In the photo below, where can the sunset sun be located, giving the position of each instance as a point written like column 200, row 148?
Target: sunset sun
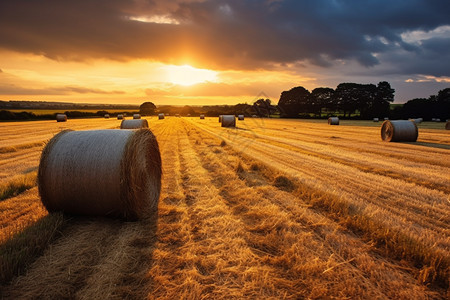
column 187, row 75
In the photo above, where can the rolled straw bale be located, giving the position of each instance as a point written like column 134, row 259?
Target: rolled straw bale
column 61, row 118
column 134, row 124
column 447, row 125
column 437, row 120
column 220, row 118
column 136, row 116
column 120, row 117
column 160, row 116
column 228, row 121
column 254, row 116
column 106, row 116
column 333, row 121
column 399, row 131
column 114, row 173
column 417, row 121
column 386, row 118
column 376, row 119
column 240, row 117
column 202, row 117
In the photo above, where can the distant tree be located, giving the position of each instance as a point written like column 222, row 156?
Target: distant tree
column 442, row 104
column 321, row 98
column 381, row 103
column 264, row 108
column 187, row 110
column 293, row 102
column 417, row 108
column 147, row 108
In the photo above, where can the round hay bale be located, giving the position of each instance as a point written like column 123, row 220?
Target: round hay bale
column 417, row 121
column 399, row 131
column 136, row 116
column 240, row 117
column 134, row 124
column 115, row 173
column 106, row 116
column 61, row 118
column 202, row 117
column 228, row 121
column 376, row 119
column 220, row 118
column 160, row 116
column 386, row 118
column 333, row 121
column 437, row 120
column 447, row 125
column 120, row 117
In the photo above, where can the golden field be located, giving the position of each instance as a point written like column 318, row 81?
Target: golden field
column 274, row 209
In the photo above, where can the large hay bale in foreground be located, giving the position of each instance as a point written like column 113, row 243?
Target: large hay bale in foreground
column 134, row 124
column 240, row 117
column 228, row 121
column 113, row 173
column 399, row 131
column 447, row 125
column 160, row 116
column 136, row 116
column 61, row 118
column 333, row 121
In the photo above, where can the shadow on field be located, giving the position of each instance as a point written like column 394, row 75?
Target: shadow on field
column 431, row 145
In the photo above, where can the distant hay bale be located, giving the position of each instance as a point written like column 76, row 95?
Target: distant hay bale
column 254, row 116
column 376, row 119
column 240, row 117
column 386, row 118
column 106, row 116
column 220, row 118
column 136, row 116
column 333, row 121
column 228, row 121
column 61, row 118
column 437, row 120
column 160, row 116
column 134, row 124
column 202, row 117
column 447, row 125
column 120, row 117
column 399, row 131
column 114, row 173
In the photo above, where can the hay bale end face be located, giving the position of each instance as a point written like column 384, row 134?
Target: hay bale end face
column 160, row 116
column 120, row 117
column 228, row 121
column 240, row 117
column 61, row 118
column 134, row 124
column 399, row 131
column 333, row 121
column 220, row 118
column 202, row 117
column 114, row 173
column 136, row 116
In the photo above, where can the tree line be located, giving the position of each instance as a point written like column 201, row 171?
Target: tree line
column 367, row 100
column 362, row 101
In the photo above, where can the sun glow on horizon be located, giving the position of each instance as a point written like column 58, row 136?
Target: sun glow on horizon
column 187, row 75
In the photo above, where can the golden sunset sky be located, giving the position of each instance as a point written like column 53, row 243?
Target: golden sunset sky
column 201, row 52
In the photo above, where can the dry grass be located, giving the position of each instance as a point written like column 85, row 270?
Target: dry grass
column 17, row 185
column 308, row 212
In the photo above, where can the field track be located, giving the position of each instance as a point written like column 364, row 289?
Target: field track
column 274, row 209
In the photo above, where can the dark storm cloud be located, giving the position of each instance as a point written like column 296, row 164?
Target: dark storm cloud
column 222, row 34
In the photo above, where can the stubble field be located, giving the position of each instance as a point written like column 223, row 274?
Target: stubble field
column 274, row 209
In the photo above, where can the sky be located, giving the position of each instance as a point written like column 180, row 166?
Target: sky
column 213, row 52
